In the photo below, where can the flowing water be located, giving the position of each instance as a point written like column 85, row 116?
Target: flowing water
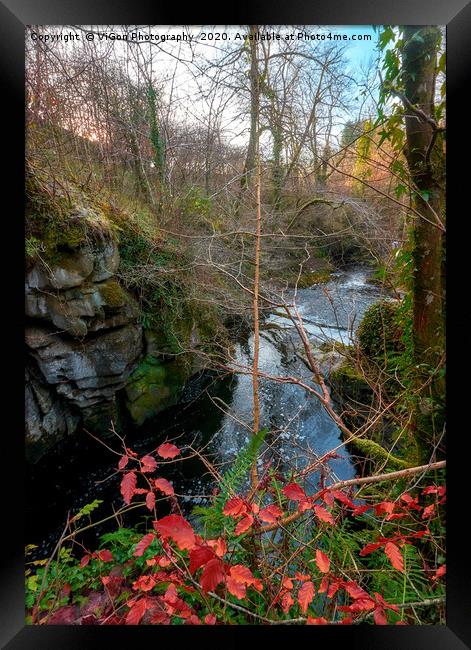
column 217, row 414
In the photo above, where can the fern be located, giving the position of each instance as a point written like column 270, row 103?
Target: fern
column 212, row 517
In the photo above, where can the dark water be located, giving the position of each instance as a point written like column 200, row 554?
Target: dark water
column 217, row 415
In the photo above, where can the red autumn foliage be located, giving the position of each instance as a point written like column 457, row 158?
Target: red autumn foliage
column 148, row 464
column 167, row 450
column 199, row 556
column 294, row 492
column 212, row 575
column 323, row 514
column 306, row 595
column 270, row 514
column 128, row 486
column 322, row 561
column 235, row 507
column 177, row 529
column 164, row 486
column 244, row 524
column 144, row 544
column 395, row 556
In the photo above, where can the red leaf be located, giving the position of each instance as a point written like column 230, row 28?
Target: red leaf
column 323, row 514
column 164, row 486
column 397, row 515
column 287, row 583
column 235, row 507
column 324, row 585
column 128, row 486
column 355, row 591
column 395, row 556
column 361, row 605
column 431, row 489
column 428, row 511
column 294, row 492
column 270, row 514
column 301, row 576
column 137, row 611
column 160, row 618
column 386, row 507
column 305, row 504
column 145, row 542
column 328, row 498
column 236, row 588
column 210, row 619
column 218, row 545
column 178, row 529
column 287, row 602
column 316, row 621
column 63, row 616
column 333, row 588
column 171, row 595
column 150, row 500
column 359, row 510
column 123, row 461
column 105, row 556
column 84, row 561
column 212, row 574
column 369, row 548
column 242, row 574
column 439, row 572
column 200, row 556
column 322, row 561
column 243, row 525
column 144, row 583
column 149, row 464
column 167, row 450
column 305, row 595
column 193, row 620
column 380, row 616
column 340, row 496
column 380, row 600
column 406, row 497
column 257, row 584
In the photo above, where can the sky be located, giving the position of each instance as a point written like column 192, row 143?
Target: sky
column 170, row 58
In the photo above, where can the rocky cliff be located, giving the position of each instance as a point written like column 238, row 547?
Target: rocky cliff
column 108, row 329
column 83, row 341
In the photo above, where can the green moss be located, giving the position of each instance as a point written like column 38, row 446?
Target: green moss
column 378, row 454
column 60, row 218
column 112, row 293
column 310, row 278
column 380, row 331
column 154, row 386
column 350, row 384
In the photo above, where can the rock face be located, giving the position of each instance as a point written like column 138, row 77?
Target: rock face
column 83, row 341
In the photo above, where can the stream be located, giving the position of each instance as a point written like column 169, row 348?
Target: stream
column 216, row 414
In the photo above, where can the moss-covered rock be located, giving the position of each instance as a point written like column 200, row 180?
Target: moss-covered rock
column 154, row 386
column 380, row 331
column 349, row 386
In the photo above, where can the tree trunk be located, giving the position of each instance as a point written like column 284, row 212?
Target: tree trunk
column 425, row 161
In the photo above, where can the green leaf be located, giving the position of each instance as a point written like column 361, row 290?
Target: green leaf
column 87, row 509
column 386, row 36
column 400, row 190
